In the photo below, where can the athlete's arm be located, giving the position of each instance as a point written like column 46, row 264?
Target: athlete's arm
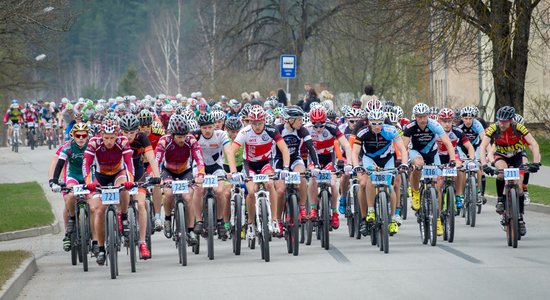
column 284, row 150
column 534, row 146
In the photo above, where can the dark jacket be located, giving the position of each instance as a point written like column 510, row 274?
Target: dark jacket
column 307, row 104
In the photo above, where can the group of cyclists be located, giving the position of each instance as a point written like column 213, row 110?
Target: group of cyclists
column 125, row 140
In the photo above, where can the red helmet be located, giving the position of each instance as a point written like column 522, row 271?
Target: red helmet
column 446, row 113
column 256, row 113
column 356, row 103
column 318, row 115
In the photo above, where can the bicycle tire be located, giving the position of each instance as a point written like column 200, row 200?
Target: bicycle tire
column 473, row 201
column 181, row 233
column 384, row 224
column 74, row 249
column 211, row 224
column 132, row 241
column 325, row 220
column 514, row 216
column 84, row 236
column 111, row 246
column 295, row 225
column 450, row 215
column 148, row 229
column 197, row 248
column 31, row 140
column 421, row 217
column 404, row 196
column 349, row 215
column 373, row 229
column 265, row 229
column 433, row 215
column 237, row 229
column 357, row 217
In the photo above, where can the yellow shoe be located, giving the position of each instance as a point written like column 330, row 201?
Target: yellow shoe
column 242, row 234
column 415, row 200
column 370, row 217
column 439, row 227
column 393, row 227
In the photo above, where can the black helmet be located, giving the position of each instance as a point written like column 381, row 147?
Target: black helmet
column 205, row 119
column 294, row 111
column 145, row 117
column 331, row 114
column 233, row 123
column 506, row 113
column 178, row 125
column 129, row 122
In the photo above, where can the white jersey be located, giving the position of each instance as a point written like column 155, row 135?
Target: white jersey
column 212, row 148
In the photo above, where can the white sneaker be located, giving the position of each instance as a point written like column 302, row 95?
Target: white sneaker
column 158, row 225
column 251, row 232
column 526, row 196
column 274, row 228
column 398, row 220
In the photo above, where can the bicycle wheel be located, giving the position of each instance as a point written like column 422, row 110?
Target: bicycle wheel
column 513, row 216
column 83, row 235
column 373, row 227
column 181, row 233
column 132, row 241
column 433, row 215
column 294, row 225
column 421, row 216
column 324, row 225
column 384, row 223
column 211, row 224
column 404, row 196
column 264, row 229
column 237, row 229
column 148, row 229
column 357, row 217
column 31, row 139
column 111, row 248
column 349, row 214
column 449, row 214
column 472, row 194
column 74, row 249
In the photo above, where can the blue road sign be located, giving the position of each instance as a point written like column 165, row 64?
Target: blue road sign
column 288, row 66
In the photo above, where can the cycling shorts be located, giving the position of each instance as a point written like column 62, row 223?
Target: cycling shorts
column 430, row 158
column 257, row 167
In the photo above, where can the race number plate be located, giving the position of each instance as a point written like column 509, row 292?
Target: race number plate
column 379, row 178
column 111, row 196
column 430, row 172
column 292, row 178
column 16, row 126
column 30, row 124
column 48, row 125
column 260, row 178
column 79, row 190
column 324, row 177
column 180, row 187
column 511, row 174
column 472, row 167
column 449, row 172
column 210, row 181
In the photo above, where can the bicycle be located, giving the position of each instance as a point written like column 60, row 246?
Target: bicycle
column 428, row 213
column 448, row 209
column 470, row 194
column 15, row 137
column 353, row 211
column 291, row 219
column 209, row 211
column 324, row 180
column 379, row 231
column 48, row 132
column 238, row 216
column 179, row 223
column 403, row 195
column 262, row 219
column 131, row 241
column 31, row 135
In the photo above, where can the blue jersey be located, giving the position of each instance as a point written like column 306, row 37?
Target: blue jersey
column 473, row 132
column 423, row 140
column 377, row 145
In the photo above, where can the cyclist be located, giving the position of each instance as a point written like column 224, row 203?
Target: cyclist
column 13, row 116
column 374, row 148
column 47, row 114
column 219, row 119
column 176, row 153
column 510, row 139
column 422, row 134
column 30, row 117
column 67, row 117
column 352, row 116
column 141, row 148
column 324, row 133
column 257, row 139
column 213, row 143
column 71, row 156
column 294, row 134
column 112, row 157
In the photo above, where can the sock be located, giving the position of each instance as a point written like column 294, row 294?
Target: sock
column 500, row 187
column 521, row 203
column 397, row 211
column 168, row 218
column 526, row 179
column 190, row 229
column 370, row 209
column 124, row 216
column 157, row 216
column 334, row 209
column 101, row 248
column 313, row 206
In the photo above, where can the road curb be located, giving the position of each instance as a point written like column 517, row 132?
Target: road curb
column 19, row 279
column 534, row 207
column 53, row 228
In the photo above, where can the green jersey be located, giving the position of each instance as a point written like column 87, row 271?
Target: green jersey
column 238, row 156
column 75, row 157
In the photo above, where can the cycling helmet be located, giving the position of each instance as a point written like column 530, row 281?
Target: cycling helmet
column 52, row 104
column 188, row 115
column 267, row 105
column 277, row 111
column 273, row 100
column 134, row 109
column 95, row 129
column 145, row 117
column 306, row 119
column 120, row 108
column 398, row 111
column 373, row 104
column 246, row 109
column 89, row 103
column 389, row 103
column 64, row 100
column 387, row 108
column 80, row 126
column 69, row 107
column 269, row 119
column 331, row 114
column 168, row 108
column 421, row 109
column 129, row 122
column 519, row 119
column 216, row 107
column 434, row 110
column 318, row 115
column 14, row 101
column 294, row 111
column 356, row 103
column 352, row 113
column 193, row 125
column 506, row 113
column 161, row 96
column 233, row 103
column 446, row 114
column 256, row 113
column 178, row 125
column 468, row 111
column 98, row 117
column 109, row 126
column 344, row 109
column 132, row 98
column 205, row 119
column 392, row 117
column 180, row 110
column 376, row 114
column 361, row 113
column 14, row 105
column 99, row 108
column 233, row 123
column 218, row 115
column 77, row 114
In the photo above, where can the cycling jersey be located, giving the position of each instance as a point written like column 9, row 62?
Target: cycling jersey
column 324, row 141
column 176, row 159
column 47, row 114
column 257, row 147
column 404, row 122
column 509, row 142
column 238, row 156
column 473, row 132
column 140, row 145
column 74, row 156
column 30, row 115
column 212, row 148
column 377, row 145
column 108, row 161
column 457, row 137
column 423, row 140
column 13, row 115
column 293, row 139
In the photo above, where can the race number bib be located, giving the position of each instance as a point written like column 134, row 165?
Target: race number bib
column 111, row 196
column 79, row 190
column 379, row 178
column 180, row 187
column 449, row 172
column 260, row 178
column 30, row 124
column 430, row 172
column 511, row 174
column 292, row 178
column 324, row 177
column 48, row 125
column 210, row 181
column 16, row 126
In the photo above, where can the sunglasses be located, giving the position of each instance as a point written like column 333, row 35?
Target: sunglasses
column 319, row 125
column 257, row 123
column 80, row 136
column 130, row 132
column 504, row 122
column 246, row 120
column 376, row 123
column 352, row 121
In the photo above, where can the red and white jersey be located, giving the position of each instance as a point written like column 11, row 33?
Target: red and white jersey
column 30, row 115
column 108, row 161
column 177, row 159
column 257, row 147
column 324, row 141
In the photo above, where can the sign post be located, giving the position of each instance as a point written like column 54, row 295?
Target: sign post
column 288, row 69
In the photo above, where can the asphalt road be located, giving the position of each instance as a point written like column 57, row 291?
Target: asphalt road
column 477, row 265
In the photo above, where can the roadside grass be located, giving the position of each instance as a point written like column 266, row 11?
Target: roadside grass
column 22, row 206
column 537, row 194
column 9, row 262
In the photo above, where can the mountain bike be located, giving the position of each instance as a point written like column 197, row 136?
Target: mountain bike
column 448, row 209
column 15, row 137
column 470, row 193
column 238, row 216
column 209, row 211
column 291, row 219
column 353, row 211
column 379, row 231
column 428, row 213
column 262, row 219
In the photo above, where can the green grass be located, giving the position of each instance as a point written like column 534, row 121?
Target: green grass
column 544, row 147
column 537, row 194
column 9, row 262
column 23, row 205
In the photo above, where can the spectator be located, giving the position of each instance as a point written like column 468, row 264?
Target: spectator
column 327, row 99
column 281, row 96
column 369, row 94
column 312, row 98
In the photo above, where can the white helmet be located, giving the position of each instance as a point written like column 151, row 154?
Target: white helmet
column 167, row 108
column 64, row 100
column 179, row 96
column 421, row 109
column 376, row 114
